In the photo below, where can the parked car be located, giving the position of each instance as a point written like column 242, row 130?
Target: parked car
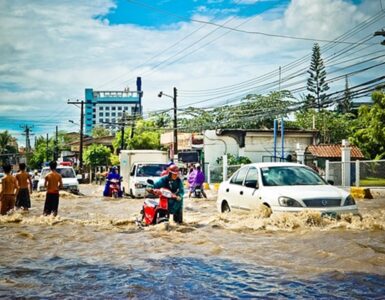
column 283, row 187
column 70, row 181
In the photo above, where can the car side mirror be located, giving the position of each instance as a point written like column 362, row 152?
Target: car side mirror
column 331, row 182
column 251, row 184
column 150, row 181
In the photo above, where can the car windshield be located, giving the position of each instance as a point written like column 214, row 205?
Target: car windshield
column 150, row 170
column 64, row 172
column 290, row 175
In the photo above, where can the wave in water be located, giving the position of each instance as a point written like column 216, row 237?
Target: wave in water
column 176, row 278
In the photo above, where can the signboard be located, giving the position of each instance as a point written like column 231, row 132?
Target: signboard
column 188, row 157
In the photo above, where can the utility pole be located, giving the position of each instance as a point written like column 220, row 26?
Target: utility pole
column 46, row 149
column 175, row 124
column 122, row 131
column 81, row 130
column 27, row 133
column 174, row 98
column 55, row 155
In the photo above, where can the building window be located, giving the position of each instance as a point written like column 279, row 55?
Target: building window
column 113, row 108
column 107, row 120
column 93, row 122
column 113, row 114
column 126, row 108
column 107, row 108
column 101, row 107
column 113, row 120
column 119, row 108
column 100, row 114
column 107, row 114
column 100, row 120
column 119, row 114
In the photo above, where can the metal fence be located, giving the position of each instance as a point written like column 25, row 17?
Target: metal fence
column 215, row 173
column 367, row 173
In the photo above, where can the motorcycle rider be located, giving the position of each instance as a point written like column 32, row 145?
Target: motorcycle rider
column 113, row 174
column 172, row 182
column 197, row 180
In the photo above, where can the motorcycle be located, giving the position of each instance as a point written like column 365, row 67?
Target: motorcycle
column 112, row 188
column 198, row 191
column 155, row 211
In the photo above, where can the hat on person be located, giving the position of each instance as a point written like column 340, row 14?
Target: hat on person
column 173, row 169
column 197, row 165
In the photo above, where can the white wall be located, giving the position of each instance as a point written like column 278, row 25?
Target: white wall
column 257, row 145
column 215, row 146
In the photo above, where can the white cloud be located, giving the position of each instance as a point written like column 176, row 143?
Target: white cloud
column 53, row 50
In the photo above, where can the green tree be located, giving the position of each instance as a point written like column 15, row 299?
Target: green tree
column 162, row 120
column 345, row 106
column 255, row 111
column 316, row 83
column 97, row 155
column 42, row 153
column 333, row 127
column 145, row 136
column 6, row 147
column 234, row 160
column 369, row 133
column 99, row 131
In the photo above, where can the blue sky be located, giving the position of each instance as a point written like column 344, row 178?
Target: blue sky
column 51, row 50
column 127, row 12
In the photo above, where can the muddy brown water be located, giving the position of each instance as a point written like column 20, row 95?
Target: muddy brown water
column 94, row 249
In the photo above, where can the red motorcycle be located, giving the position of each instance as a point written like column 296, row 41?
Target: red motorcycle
column 156, row 211
column 114, row 188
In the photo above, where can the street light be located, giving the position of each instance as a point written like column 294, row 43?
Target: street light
column 175, row 119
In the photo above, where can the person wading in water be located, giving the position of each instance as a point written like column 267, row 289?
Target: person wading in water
column 53, row 183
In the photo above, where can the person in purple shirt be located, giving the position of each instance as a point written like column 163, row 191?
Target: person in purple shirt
column 196, row 179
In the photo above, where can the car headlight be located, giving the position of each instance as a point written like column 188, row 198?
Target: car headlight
column 139, row 185
column 289, row 202
column 349, row 201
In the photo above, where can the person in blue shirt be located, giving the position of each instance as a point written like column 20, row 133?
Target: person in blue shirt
column 172, row 182
column 113, row 174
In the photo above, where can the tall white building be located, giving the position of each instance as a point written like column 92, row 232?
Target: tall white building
column 106, row 108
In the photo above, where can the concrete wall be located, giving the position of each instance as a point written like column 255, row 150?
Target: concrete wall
column 257, row 145
column 216, row 146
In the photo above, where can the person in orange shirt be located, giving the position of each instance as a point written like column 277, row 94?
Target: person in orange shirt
column 53, row 183
column 25, row 187
column 8, row 192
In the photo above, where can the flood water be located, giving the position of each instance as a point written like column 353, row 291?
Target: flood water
column 94, row 250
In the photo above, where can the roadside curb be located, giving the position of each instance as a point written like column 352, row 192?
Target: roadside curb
column 361, row 193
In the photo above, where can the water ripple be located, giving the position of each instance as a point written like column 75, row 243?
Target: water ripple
column 175, row 278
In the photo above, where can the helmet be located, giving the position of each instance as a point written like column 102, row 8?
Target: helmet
column 173, row 169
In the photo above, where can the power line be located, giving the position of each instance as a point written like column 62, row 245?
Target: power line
column 235, row 29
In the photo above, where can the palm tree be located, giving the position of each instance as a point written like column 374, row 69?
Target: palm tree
column 6, row 146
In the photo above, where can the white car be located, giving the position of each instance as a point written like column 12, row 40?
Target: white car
column 70, row 181
column 283, row 187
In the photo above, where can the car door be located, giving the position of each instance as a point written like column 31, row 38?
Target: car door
column 234, row 190
column 250, row 190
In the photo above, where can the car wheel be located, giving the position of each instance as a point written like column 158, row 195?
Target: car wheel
column 225, row 207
